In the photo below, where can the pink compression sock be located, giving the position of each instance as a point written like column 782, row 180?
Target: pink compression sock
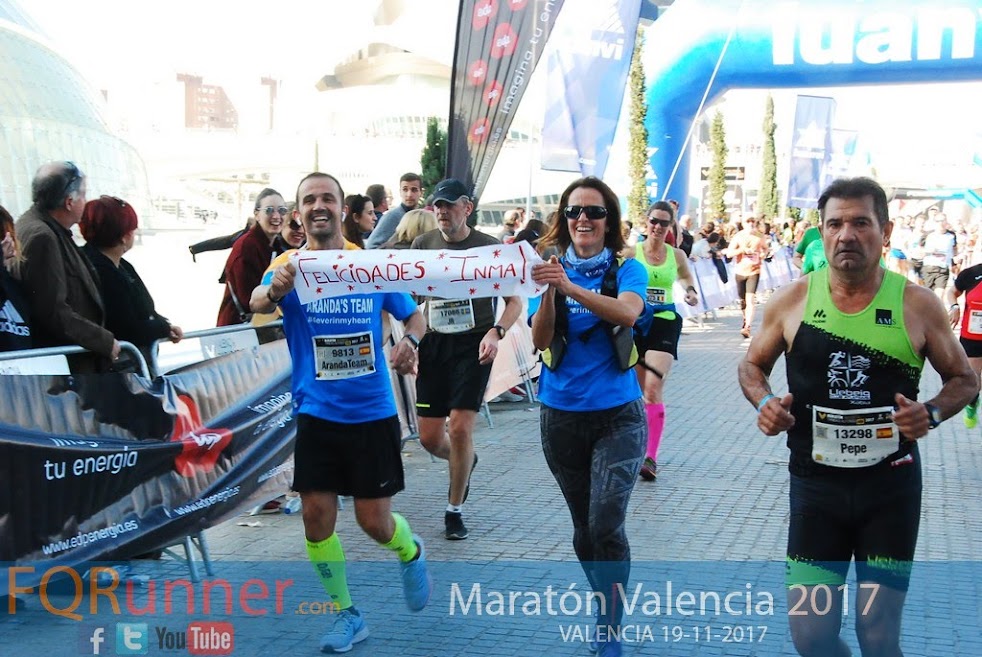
column 656, row 424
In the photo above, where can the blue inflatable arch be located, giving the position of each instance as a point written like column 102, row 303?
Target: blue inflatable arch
column 809, row 43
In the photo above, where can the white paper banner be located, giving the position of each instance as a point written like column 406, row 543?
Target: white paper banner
column 485, row 271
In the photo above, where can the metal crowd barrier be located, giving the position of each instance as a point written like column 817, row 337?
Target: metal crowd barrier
column 225, row 340
column 45, row 365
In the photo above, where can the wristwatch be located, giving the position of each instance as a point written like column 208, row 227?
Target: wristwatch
column 933, row 416
column 501, row 331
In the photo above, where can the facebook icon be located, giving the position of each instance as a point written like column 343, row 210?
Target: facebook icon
column 97, row 639
column 132, row 638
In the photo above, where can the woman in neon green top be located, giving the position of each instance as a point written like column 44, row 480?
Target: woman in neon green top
column 657, row 331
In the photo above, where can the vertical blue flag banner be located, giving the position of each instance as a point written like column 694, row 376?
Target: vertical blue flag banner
column 588, row 64
column 811, row 150
column 498, row 45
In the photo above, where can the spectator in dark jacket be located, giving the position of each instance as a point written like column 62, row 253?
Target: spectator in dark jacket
column 534, row 229
column 109, row 225
column 58, row 280
column 15, row 327
column 250, row 257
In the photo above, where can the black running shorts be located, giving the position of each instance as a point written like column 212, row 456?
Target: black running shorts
column 450, row 376
column 973, row 348
column 747, row 284
column 362, row 460
column 872, row 514
column 663, row 335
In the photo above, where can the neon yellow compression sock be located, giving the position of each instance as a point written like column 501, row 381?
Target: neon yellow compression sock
column 402, row 542
column 328, row 559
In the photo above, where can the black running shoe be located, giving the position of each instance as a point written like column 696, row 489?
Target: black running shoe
column 455, row 529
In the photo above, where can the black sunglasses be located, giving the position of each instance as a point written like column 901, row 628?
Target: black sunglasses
column 295, row 225
column 664, row 223
column 74, row 175
column 593, row 212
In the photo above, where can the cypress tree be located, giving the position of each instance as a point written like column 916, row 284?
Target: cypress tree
column 717, row 172
column 767, row 200
column 637, row 198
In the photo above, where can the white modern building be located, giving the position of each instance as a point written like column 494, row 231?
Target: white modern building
column 49, row 112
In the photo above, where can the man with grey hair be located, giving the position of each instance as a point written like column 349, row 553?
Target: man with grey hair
column 60, row 283
column 456, row 354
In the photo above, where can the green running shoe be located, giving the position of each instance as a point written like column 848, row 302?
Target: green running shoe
column 971, row 416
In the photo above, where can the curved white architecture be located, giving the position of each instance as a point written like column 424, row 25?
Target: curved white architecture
column 48, row 112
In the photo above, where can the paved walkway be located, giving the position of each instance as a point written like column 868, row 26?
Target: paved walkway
column 714, row 523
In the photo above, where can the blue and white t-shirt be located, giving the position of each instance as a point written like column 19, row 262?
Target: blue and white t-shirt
column 589, row 379
column 339, row 369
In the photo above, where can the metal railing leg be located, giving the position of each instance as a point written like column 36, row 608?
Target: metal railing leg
column 486, row 412
column 199, row 540
column 189, row 557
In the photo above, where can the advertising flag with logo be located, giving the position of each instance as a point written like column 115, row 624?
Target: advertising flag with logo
column 588, row 64
column 498, row 45
column 811, row 150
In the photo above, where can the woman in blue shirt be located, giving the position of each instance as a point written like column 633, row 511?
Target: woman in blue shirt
column 592, row 418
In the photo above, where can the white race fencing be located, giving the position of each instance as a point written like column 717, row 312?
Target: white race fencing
column 714, row 293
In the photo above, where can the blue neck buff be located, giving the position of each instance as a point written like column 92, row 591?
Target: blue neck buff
column 589, row 267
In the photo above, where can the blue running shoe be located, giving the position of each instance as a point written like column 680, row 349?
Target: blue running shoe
column 416, row 582
column 349, row 628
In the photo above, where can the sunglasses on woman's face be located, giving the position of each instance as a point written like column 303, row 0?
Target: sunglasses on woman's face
column 592, row 212
column 664, row 223
column 282, row 210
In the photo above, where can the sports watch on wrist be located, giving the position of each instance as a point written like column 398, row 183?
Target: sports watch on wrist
column 933, row 416
column 500, row 330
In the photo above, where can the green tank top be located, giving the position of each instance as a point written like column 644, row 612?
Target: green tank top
column 661, row 280
column 848, row 362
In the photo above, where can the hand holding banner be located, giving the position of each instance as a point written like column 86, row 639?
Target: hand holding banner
column 485, row 271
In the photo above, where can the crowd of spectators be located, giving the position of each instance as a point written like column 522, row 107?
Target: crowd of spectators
column 59, row 294
column 55, row 293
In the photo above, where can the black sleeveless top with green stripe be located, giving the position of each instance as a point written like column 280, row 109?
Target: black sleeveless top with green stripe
column 848, row 362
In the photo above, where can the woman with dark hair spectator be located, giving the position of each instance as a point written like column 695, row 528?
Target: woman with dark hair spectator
column 534, row 229
column 15, row 327
column 359, row 219
column 109, row 225
column 292, row 236
column 592, row 418
column 250, row 257
column 413, row 224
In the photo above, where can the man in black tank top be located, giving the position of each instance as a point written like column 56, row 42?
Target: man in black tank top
column 855, row 338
